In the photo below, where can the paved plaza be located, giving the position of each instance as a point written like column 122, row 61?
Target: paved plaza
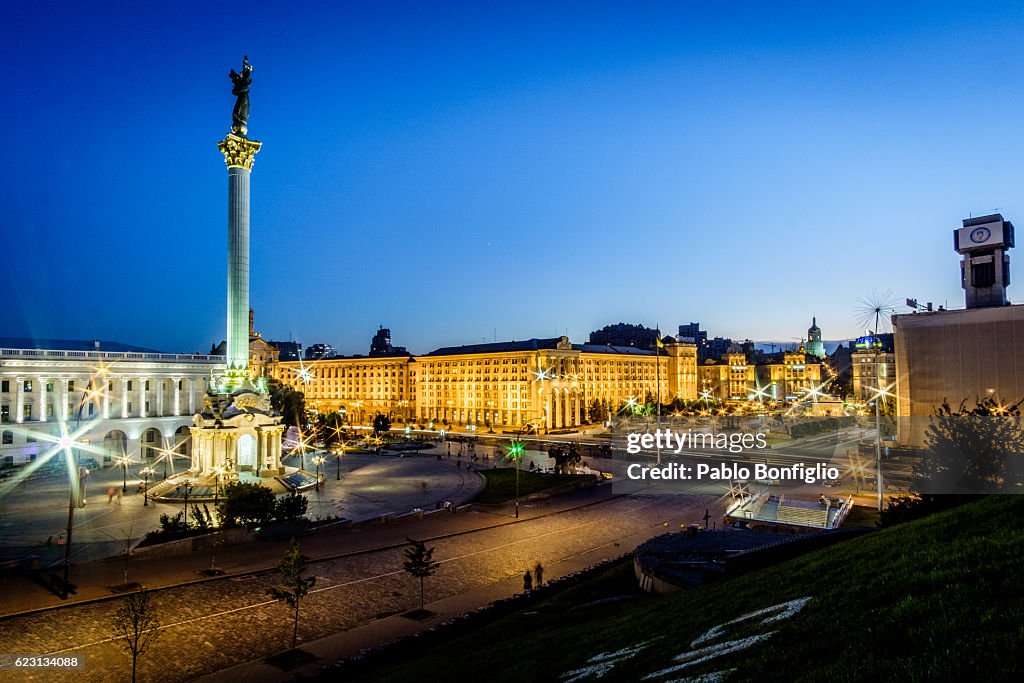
column 34, row 512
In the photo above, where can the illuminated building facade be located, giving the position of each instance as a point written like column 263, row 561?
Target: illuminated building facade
column 133, row 401
column 794, row 376
column 873, row 366
column 549, row 383
column 732, row 378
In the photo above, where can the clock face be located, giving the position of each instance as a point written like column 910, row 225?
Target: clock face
column 979, row 235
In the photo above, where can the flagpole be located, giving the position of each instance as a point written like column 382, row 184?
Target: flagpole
column 657, row 371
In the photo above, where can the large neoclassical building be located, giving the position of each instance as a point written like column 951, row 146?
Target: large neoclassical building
column 127, row 400
column 549, row 383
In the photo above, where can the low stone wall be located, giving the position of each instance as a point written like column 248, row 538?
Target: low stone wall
column 194, row 543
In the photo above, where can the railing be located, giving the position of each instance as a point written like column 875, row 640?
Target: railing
column 108, row 355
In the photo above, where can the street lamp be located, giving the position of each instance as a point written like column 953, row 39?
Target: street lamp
column 217, row 471
column 123, row 462
column 188, row 489
column 145, row 472
column 318, row 460
column 879, row 393
column 515, row 454
column 340, row 454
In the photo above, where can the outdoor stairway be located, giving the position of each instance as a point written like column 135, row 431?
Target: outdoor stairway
column 817, row 517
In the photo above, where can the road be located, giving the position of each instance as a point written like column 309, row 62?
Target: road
column 214, row 625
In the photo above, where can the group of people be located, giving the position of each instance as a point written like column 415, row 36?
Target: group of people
column 534, row 580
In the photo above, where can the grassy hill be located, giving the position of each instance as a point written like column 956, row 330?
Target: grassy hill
column 939, row 599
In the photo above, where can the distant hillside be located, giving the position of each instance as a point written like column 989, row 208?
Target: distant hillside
column 939, row 599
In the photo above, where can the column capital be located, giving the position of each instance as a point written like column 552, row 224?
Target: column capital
column 239, row 151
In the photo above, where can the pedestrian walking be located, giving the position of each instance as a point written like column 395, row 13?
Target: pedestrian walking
column 118, row 496
column 527, row 581
column 110, row 495
column 538, row 575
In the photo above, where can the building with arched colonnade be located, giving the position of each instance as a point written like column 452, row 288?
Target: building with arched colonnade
column 127, row 400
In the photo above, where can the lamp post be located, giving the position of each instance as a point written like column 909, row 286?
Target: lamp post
column 188, row 489
column 318, row 460
column 77, row 496
column 341, row 452
column 145, row 472
column 217, row 471
column 515, row 454
column 123, row 462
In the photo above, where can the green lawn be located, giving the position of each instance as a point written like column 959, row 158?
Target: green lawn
column 501, row 484
column 939, row 599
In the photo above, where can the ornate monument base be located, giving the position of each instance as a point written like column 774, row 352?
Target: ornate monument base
column 237, row 432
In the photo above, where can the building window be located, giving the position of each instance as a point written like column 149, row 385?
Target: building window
column 5, row 386
column 129, row 407
column 5, row 414
column 8, row 438
column 28, row 411
column 129, row 385
column 147, row 385
column 49, row 386
column 27, row 386
column 30, row 438
column 71, row 386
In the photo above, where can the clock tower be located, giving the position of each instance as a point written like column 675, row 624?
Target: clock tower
column 985, row 269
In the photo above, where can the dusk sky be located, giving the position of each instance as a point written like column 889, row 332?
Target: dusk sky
column 455, row 171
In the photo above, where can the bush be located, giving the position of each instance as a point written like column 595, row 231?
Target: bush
column 246, row 504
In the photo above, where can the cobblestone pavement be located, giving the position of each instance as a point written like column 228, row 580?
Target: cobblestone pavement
column 211, row 626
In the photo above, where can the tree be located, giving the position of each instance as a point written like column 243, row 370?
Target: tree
column 136, row 626
column 294, row 586
column 381, row 424
column 419, row 562
column 291, row 507
column 597, row 413
column 972, row 450
column 329, row 428
column 246, row 504
column 289, row 402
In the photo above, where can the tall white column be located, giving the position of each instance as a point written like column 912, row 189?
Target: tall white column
column 177, row 395
column 19, row 398
column 62, row 400
column 239, row 154
column 105, row 387
column 159, row 396
column 40, row 398
column 124, row 397
column 141, row 412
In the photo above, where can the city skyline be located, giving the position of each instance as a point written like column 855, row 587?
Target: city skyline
column 464, row 175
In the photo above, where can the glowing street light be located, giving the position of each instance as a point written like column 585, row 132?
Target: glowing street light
column 878, row 393
column 217, row 472
column 123, row 462
column 145, row 472
column 318, row 461
column 515, row 454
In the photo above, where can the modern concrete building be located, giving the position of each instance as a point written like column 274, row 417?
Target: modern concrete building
column 130, row 401
column 949, row 356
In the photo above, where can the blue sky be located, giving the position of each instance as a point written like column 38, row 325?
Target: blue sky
column 533, row 169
